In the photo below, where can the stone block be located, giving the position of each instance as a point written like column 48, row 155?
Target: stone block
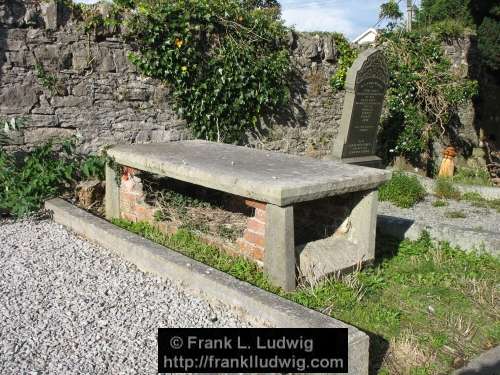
column 42, row 135
column 279, row 255
column 18, row 98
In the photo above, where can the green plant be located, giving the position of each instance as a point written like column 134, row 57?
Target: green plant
column 489, row 42
column 347, row 55
column 455, row 215
column 227, row 64
column 472, row 176
column 46, row 79
column 423, row 96
column 42, row 174
column 93, row 167
column 402, row 190
column 45, row 172
column 444, row 188
column 478, row 201
column 439, row 203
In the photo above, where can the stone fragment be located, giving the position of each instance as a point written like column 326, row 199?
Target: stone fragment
column 89, row 193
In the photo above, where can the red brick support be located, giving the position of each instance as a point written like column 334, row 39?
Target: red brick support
column 252, row 245
column 133, row 205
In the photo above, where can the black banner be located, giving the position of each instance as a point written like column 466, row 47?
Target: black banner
column 261, row 350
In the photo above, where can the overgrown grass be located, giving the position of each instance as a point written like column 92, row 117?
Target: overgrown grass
column 445, row 189
column 187, row 243
column 473, row 176
column 402, row 190
column 425, row 305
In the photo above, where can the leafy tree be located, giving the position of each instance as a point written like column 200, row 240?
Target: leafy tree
column 489, row 43
column 432, row 11
column 391, row 11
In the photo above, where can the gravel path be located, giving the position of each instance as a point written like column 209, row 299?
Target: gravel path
column 67, row 306
column 477, row 218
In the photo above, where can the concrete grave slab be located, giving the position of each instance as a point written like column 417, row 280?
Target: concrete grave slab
column 275, row 181
column 270, row 177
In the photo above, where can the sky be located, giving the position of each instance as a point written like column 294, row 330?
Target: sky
column 350, row 17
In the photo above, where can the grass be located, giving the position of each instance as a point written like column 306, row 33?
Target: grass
column 473, row 176
column 402, row 190
column 445, row 189
column 439, row 203
column 426, row 306
column 455, row 215
column 478, row 201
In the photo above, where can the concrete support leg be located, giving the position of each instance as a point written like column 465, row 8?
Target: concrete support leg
column 279, row 255
column 112, row 197
column 364, row 225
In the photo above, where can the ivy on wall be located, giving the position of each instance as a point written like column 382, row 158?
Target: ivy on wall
column 347, row 56
column 227, row 63
column 423, row 98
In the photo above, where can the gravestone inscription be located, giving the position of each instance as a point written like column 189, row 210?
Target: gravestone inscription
column 366, row 84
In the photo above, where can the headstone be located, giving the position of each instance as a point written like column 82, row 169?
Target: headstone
column 366, row 84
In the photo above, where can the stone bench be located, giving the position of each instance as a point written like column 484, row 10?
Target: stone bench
column 273, row 183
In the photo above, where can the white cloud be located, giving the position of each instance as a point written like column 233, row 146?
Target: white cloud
column 318, row 18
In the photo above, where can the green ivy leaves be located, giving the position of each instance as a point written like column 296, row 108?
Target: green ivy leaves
column 227, row 65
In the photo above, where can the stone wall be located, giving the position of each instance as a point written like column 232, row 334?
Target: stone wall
column 100, row 97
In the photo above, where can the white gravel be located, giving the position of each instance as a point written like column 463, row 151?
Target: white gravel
column 67, row 306
column 477, row 218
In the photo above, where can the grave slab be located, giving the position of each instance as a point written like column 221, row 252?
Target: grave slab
column 270, row 177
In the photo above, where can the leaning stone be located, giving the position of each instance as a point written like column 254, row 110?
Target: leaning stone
column 50, row 14
column 330, row 50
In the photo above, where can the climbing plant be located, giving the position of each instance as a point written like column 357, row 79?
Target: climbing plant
column 423, row 96
column 347, row 55
column 227, row 63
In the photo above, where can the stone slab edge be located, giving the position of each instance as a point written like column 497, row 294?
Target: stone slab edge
column 465, row 238
column 487, row 363
column 366, row 180
column 212, row 284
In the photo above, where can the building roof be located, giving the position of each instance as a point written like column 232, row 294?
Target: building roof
column 371, row 30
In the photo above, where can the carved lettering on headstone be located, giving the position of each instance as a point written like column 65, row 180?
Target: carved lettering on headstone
column 366, row 85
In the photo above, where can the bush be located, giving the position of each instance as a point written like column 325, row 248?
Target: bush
column 227, row 63
column 44, row 173
column 402, row 190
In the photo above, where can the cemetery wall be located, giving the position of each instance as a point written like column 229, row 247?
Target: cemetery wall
column 99, row 96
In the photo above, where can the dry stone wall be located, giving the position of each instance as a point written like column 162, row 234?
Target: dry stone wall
column 101, row 98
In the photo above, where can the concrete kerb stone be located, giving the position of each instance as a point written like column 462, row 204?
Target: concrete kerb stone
column 464, row 238
column 250, row 301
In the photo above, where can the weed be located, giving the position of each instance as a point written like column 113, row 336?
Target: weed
column 402, row 190
column 45, row 172
column 48, row 80
column 455, row 215
column 439, row 203
column 478, row 201
column 444, row 189
column 473, row 176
